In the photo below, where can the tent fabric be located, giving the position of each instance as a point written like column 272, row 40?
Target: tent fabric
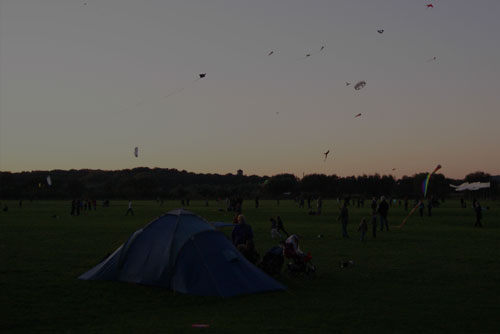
column 183, row 252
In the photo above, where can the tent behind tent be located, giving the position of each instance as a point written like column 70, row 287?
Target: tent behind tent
column 183, row 252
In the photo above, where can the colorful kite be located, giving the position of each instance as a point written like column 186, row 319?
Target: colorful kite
column 425, row 183
column 270, row 53
column 424, row 190
column 360, row 85
column 429, row 5
column 358, row 115
column 381, row 31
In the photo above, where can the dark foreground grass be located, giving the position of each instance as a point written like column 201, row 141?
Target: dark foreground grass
column 436, row 274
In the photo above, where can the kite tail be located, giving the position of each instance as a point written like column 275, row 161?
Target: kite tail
column 409, row 215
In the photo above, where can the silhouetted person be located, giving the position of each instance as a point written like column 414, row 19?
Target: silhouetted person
column 129, row 210
column 363, row 227
column 344, row 219
column 421, row 207
column 479, row 214
column 406, row 204
column 429, row 208
column 281, row 227
column 374, row 221
column 383, row 210
column 256, row 202
column 242, row 232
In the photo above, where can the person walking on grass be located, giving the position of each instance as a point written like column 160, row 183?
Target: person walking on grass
column 129, row 210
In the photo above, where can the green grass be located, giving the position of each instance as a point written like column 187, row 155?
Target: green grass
column 437, row 274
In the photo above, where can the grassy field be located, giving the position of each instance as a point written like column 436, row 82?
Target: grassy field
column 437, row 274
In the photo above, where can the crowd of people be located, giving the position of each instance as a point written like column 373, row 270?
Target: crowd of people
column 288, row 248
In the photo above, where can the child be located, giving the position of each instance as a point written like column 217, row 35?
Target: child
column 275, row 234
column 363, row 227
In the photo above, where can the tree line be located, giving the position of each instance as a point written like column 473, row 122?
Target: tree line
column 153, row 183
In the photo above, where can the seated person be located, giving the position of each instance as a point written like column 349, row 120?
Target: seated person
column 249, row 252
column 292, row 249
column 273, row 260
column 241, row 232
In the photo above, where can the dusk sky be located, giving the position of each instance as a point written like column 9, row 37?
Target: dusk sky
column 84, row 82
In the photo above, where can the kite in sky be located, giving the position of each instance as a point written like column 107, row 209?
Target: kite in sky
column 425, row 184
column 347, row 83
column 471, row 186
column 360, row 85
column 202, row 75
column 393, row 169
column 326, row 155
column 49, row 181
column 429, row 5
column 136, row 152
column 270, row 53
column 432, row 59
column 381, row 31
column 358, row 115
column 424, row 190
column 311, row 54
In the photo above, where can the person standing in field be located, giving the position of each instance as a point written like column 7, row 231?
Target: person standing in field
column 479, row 214
column 319, row 205
column 383, row 210
column 421, row 207
column 374, row 221
column 363, row 227
column 129, row 210
column 281, row 227
column 344, row 219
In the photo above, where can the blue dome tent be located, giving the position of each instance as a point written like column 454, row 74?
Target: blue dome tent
column 183, row 252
